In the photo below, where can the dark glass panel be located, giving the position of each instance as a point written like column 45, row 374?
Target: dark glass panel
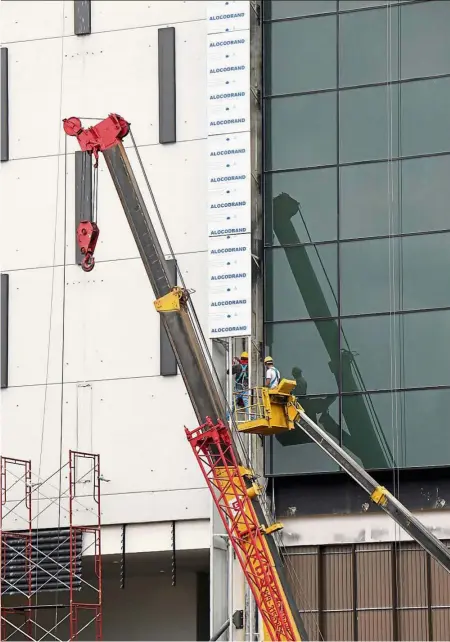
column 396, row 351
column 275, row 9
column 307, row 349
column 369, row 351
column 426, row 348
column 364, row 56
column 425, row 117
column 368, row 430
column 369, row 200
column 369, row 196
column 301, row 131
column 289, row 44
column 425, row 273
column 425, row 42
column 301, row 206
column 294, row 453
column 401, row 425
column 367, row 276
column 301, row 282
column 387, row 275
column 425, row 194
column 368, row 123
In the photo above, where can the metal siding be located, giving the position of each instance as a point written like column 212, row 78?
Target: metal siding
column 4, row 329
column 365, row 592
column 4, row 105
column 168, row 362
column 167, row 85
column 83, row 193
column 82, row 17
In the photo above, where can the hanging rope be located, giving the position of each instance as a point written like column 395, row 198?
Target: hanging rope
column 52, row 292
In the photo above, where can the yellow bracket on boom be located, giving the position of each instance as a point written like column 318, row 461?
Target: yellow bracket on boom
column 171, row 301
column 379, row 496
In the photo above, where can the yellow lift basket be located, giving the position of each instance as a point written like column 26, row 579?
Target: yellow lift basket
column 267, row 412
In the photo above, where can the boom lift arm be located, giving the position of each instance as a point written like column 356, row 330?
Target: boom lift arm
column 235, row 493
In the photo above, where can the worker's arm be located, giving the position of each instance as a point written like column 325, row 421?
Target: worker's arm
column 236, row 369
column 269, row 375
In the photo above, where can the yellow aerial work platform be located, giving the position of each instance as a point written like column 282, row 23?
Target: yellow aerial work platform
column 269, row 412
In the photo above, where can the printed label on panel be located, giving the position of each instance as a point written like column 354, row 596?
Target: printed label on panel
column 229, row 169
column 229, row 150
column 230, row 286
column 227, row 16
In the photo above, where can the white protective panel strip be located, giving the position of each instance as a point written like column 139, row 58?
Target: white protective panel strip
column 229, row 168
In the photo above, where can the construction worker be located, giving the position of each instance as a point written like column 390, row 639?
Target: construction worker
column 240, row 373
column 273, row 376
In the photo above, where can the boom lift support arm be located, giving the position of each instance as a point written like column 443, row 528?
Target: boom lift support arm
column 233, row 487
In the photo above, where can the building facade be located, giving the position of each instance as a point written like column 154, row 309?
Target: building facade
column 356, row 298
column 350, row 164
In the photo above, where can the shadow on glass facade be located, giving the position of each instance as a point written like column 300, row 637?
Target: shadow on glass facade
column 357, row 226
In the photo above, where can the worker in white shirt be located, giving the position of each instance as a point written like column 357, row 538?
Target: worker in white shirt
column 273, row 376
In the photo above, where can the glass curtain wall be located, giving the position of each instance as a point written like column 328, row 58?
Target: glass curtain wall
column 357, row 226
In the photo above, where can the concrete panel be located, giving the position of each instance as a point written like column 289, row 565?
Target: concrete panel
column 30, row 241
column 125, row 432
column 35, row 326
column 127, row 64
column 177, row 175
column 152, row 472
column 34, row 93
column 359, row 529
column 112, row 327
column 127, row 14
column 31, row 20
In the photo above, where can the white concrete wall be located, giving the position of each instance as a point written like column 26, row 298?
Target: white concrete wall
column 129, row 414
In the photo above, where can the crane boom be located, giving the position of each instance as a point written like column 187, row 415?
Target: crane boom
column 235, row 492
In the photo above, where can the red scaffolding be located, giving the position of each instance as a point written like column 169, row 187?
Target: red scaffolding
column 30, row 563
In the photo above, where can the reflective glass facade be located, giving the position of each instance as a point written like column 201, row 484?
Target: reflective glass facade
column 357, row 226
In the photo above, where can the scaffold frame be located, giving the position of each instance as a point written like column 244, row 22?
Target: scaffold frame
column 20, row 492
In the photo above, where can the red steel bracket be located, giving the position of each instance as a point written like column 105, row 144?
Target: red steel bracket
column 87, row 236
column 105, row 134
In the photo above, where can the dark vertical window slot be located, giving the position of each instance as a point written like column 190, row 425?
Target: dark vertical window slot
column 4, row 322
column 167, row 85
column 168, row 363
column 83, row 194
column 82, row 17
column 4, row 105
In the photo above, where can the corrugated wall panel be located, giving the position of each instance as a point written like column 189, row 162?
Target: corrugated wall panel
column 374, row 576
column 411, row 577
column 337, row 569
column 375, row 625
column 413, row 625
column 371, row 592
column 441, row 624
column 338, row 626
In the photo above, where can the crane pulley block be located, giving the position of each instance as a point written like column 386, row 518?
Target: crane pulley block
column 100, row 137
column 87, row 237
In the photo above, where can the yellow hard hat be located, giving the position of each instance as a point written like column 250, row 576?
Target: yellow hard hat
column 244, row 355
column 268, row 360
